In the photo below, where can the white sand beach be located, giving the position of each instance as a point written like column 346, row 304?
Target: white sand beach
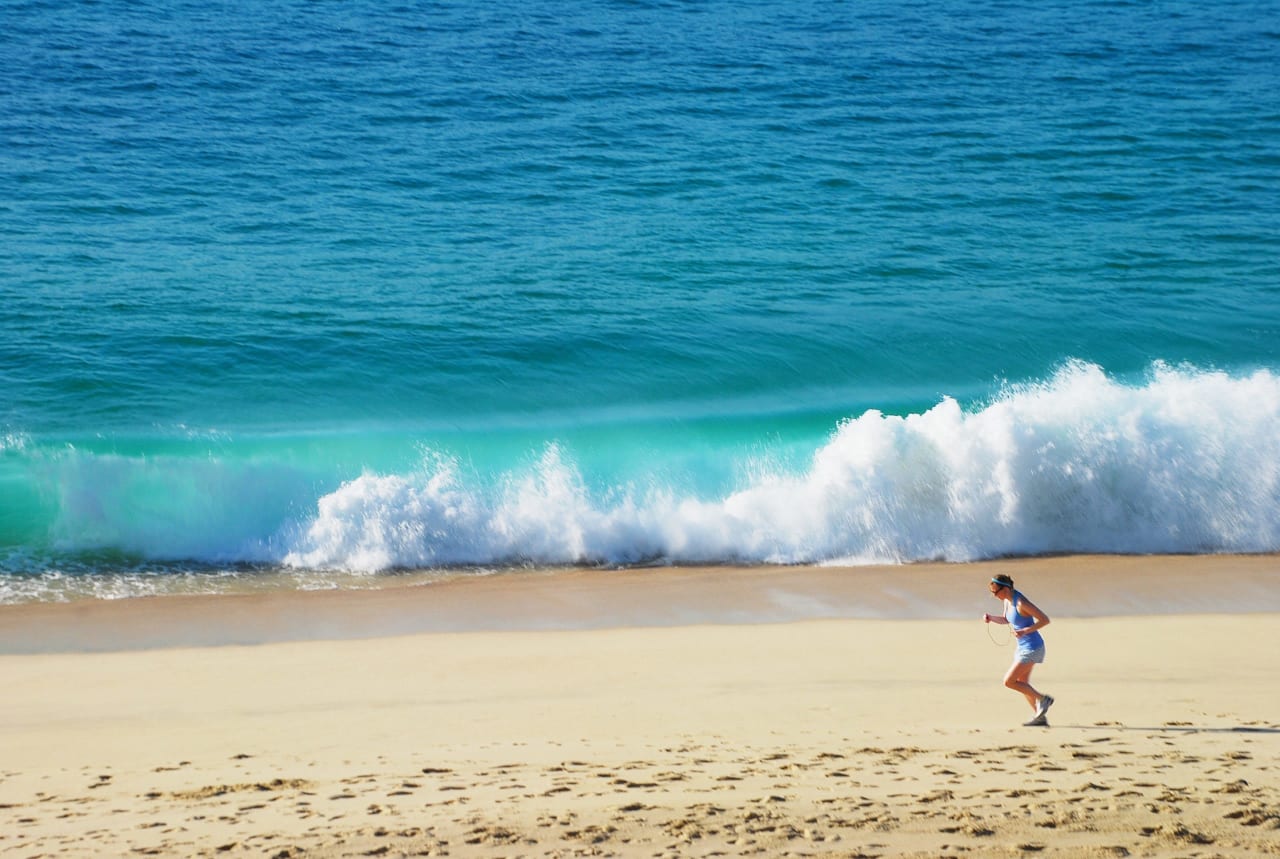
column 563, row 718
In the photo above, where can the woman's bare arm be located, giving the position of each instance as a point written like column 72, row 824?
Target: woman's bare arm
column 1027, row 607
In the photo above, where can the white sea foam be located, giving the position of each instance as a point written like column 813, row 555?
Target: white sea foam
column 1185, row 461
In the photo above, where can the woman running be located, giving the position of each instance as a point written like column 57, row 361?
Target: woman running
column 1027, row 620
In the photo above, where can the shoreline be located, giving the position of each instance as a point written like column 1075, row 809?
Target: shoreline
column 576, row 598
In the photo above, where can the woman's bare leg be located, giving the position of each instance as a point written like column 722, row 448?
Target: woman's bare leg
column 1018, row 679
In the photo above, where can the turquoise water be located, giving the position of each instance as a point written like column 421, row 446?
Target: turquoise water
column 336, row 289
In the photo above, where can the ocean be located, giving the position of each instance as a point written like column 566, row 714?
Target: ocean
column 317, row 294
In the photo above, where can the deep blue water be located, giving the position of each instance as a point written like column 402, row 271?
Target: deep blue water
column 344, row 288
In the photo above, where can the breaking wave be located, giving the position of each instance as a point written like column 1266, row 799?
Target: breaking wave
column 1184, row 461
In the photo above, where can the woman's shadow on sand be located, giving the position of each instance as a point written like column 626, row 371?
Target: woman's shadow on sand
column 1179, row 728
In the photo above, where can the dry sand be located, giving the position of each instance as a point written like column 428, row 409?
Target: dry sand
column 833, row 732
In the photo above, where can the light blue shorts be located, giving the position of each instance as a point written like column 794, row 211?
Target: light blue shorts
column 1035, row 655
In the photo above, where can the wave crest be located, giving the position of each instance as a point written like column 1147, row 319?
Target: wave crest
column 1185, row 462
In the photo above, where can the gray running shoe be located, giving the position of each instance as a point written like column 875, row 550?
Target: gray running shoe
column 1038, row 722
column 1046, row 701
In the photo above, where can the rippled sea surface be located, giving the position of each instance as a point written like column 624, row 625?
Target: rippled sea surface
column 330, row 289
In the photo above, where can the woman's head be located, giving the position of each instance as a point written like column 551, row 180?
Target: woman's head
column 1000, row 583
